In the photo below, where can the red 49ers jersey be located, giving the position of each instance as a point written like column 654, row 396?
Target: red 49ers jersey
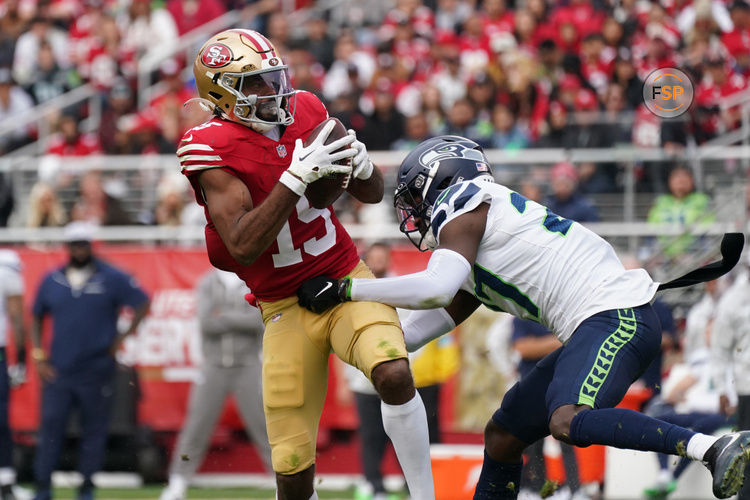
column 311, row 243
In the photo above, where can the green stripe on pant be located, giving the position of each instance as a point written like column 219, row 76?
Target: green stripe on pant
column 606, row 356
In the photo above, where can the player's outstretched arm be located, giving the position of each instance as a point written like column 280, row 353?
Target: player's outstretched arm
column 435, row 287
column 366, row 183
column 421, row 327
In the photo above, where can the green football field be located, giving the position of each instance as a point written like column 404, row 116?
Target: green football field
column 153, row 492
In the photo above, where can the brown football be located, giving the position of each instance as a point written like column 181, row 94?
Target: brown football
column 326, row 190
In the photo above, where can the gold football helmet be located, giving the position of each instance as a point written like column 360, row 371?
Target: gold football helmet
column 240, row 74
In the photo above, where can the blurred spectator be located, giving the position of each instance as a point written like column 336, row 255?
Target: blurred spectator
column 305, row 72
column 558, row 134
column 462, row 120
column 104, row 56
column 11, row 313
column 231, row 340
column 617, row 128
column 416, row 130
column 149, row 32
column 481, row 93
column 566, row 201
column 533, row 342
column 26, row 54
column 45, row 209
column 507, row 133
column 683, row 206
column 386, row 124
column 12, row 25
column 171, row 193
column 351, row 70
column 345, row 108
column 83, row 299
column 718, row 82
column 449, row 79
column 496, row 18
column 699, row 320
column 191, row 14
column 597, row 61
column 451, row 14
column 146, row 134
column 95, row 206
column 737, row 41
column 318, row 41
column 432, row 108
column 50, row 80
column 174, row 94
column 277, row 29
column 626, row 76
column 70, row 141
column 730, row 354
column 14, row 102
column 703, row 11
column 586, row 131
column 420, row 18
column 113, row 139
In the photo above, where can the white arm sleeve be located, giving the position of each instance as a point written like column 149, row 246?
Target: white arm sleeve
column 434, row 287
column 420, row 327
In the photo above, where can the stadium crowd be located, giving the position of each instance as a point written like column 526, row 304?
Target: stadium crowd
column 506, row 74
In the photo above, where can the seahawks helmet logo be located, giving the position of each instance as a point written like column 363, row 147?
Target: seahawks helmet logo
column 450, row 151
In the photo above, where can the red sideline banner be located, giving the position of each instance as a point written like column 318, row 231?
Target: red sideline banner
column 166, row 349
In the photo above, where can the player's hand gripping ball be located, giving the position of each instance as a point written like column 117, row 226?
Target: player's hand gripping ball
column 324, row 191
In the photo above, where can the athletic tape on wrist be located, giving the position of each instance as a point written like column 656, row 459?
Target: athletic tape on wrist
column 297, row 186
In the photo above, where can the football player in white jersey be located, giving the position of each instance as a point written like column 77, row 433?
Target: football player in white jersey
column 494, row 247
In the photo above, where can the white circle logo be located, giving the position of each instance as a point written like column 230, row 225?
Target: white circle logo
column 668, row 92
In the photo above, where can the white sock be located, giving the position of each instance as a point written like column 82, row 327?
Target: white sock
column 699, row 445
column 664, row 477
column 406, row 425
column 7, row 476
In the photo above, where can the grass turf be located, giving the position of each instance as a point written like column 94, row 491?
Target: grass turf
column 153, row 492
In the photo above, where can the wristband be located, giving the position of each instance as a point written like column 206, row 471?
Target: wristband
column 345, row 289
column 296, row 185
column 21, row 355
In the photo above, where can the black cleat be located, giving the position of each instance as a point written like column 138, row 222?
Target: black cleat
column 726, row 459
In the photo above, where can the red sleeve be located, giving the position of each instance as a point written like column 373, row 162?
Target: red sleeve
column 203, row 147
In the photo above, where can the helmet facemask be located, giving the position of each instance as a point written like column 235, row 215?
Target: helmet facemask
column 415, row 218
column 265, row 98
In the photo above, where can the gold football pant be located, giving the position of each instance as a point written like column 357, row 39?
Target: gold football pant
column 296, row 346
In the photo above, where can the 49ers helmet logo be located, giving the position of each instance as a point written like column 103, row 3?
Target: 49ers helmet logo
column 216, row 55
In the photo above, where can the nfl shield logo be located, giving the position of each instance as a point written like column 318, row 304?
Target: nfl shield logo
column 281, row 150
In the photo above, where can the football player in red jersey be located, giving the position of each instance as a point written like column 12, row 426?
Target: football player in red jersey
column 249, row 170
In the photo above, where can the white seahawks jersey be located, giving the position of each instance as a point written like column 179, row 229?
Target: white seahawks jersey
column 536, row 265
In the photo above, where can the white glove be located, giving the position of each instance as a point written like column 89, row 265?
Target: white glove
column 361, row 162
column 310, row 163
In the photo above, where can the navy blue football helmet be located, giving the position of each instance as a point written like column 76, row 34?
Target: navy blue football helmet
column 433, row 166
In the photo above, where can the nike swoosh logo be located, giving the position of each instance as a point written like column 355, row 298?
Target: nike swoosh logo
column 188, row 138
column 328, row 285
